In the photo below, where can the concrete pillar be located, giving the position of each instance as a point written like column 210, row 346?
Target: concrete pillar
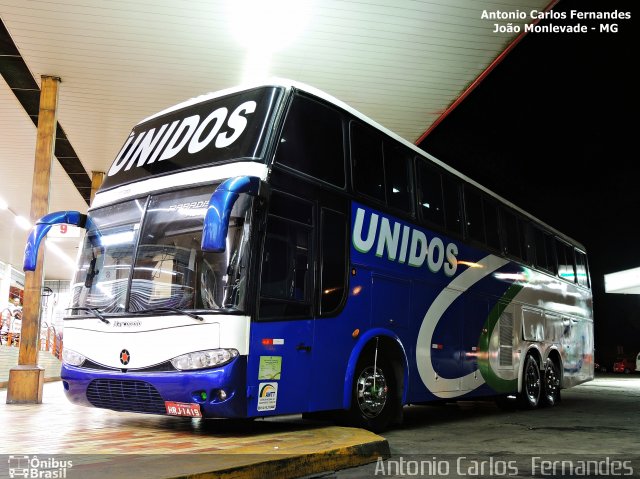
column 97, row 177
column 27, row 379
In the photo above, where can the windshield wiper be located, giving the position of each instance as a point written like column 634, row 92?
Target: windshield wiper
column 94, row 311
column 168, row 308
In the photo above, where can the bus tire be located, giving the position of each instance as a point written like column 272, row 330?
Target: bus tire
column 375, row 400
column 531, row 383
column 551, row 391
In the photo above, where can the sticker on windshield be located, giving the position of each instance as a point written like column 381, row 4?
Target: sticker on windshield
column 267, row 396
column 270, row 367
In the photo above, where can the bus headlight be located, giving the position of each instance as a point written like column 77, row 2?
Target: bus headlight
column 72, row 358
column 204, row 359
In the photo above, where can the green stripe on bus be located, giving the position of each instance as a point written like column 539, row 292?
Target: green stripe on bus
column 491, row 378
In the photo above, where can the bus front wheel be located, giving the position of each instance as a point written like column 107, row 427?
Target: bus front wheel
column 531, row 383
column 375, row 399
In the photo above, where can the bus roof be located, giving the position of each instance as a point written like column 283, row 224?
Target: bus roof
column 292, row 84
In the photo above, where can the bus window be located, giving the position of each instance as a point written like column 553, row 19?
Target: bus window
column 510, row 234
column 312, row 141
column 543, row 257
column 551, row 250
column 171, row 270
column 398, row 176
column 430, row 197
column 564, row 254
column 366, row 157
column 452, row 205
column 527, row 241
column 104, row 269
column 581, row 269
column 334, row 261
column 491, row 226
column 287, row 265
column 473, row 215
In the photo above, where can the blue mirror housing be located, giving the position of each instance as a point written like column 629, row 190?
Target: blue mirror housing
column 216, row 221
column 42, row 227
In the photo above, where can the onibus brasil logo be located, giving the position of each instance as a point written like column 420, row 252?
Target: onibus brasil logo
column 36, row 467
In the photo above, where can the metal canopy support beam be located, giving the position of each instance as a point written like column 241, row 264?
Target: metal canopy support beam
column 15, row 72
column 27, row 379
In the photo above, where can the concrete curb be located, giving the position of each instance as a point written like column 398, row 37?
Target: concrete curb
column 239, row 466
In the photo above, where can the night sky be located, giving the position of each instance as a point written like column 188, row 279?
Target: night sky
column 552, row 129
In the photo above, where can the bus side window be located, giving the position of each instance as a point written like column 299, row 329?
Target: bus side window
column 581, row 269
column 551, row 253
column 312, row 141
column 397, row 167
column 543, row 256
column 287, row 265
column 528, row 242
column 566, row 265
column 333, row 262
column 473, row 215
column 430, row 197
column 492, row 228
column 510, row 236
column 452, row 205
column 367, row 162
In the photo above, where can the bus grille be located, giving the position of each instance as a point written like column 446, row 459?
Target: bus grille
column 125, row 395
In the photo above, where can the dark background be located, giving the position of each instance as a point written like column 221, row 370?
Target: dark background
column 553, row 128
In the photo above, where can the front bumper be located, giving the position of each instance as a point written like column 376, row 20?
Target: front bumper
column 147, row 392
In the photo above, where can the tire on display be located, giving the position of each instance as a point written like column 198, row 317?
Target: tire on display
column 551, row 385
column 531, row 383
column 375, row 399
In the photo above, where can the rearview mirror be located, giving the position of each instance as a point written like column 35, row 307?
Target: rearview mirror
column 216, row 221
column 42, row 227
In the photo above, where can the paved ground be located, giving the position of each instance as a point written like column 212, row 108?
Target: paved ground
column 597, row 422
column 594, row 421
column 108, row 444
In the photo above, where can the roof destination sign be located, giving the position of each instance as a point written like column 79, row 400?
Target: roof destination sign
column 199, row 134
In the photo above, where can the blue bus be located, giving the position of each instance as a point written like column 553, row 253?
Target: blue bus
column 269, row 250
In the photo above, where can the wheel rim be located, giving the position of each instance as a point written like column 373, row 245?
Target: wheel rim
column 532, row 383
column 552, row 382
column 371, row 391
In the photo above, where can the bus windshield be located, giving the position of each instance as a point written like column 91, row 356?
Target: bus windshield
column 133, row 262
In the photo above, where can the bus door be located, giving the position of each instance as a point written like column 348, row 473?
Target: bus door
column 281, row 349
column 476, row 310
column 445, row 349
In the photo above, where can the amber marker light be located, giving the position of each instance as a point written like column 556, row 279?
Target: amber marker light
column 470, row 264
column 356, row 333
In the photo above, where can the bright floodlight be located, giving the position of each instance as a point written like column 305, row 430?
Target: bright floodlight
column 263, row 27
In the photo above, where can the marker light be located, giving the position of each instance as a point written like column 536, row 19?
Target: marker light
column 204, row 359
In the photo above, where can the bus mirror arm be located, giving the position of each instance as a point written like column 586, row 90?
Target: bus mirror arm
column 42, row 227
column 216, row 220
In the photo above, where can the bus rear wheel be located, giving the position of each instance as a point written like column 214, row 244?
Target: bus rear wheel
column 531, row 383
column 551, row 394
column 375, row 399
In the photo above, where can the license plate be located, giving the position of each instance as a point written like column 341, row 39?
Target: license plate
column 182, row 409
